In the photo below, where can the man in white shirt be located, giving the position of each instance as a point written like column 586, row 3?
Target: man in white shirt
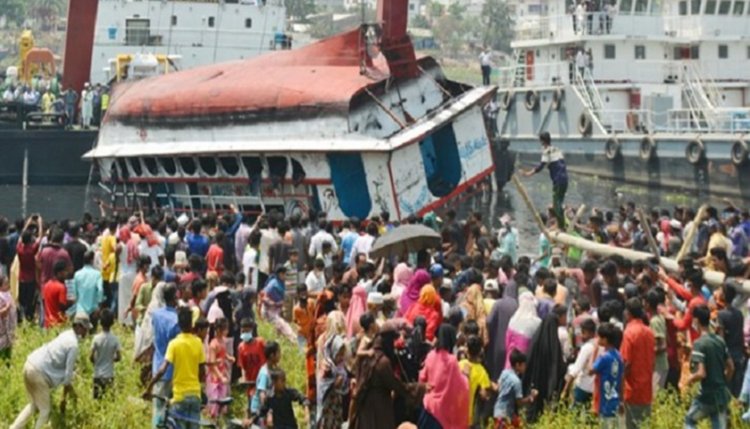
column 363, row 243
column 316, row 279
column 581, row 62
column 49, row 366
column 485, row 60
column 317, row 240
column 250, row 261
column 578, row 371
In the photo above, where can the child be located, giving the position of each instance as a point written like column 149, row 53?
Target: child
column 510, row 393
column 280, row 403
column 250, row 355
column 609, row 367
column 219, row 362
column 578, row 377
column 292, row 282
column 105, row 351
column 369, row 329
column 479, row 380
column 8, row 320
column 272, row 352
column 304, row 316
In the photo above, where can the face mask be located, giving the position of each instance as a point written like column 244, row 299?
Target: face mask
column 246, row 336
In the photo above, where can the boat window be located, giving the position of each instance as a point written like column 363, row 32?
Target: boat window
column 230, row 165
column 724, row 7
column 695, row 7
column 609, row 52
column 188, row 165
column 137, row 31
column 277, row 167
column 211, row 21
column 710, row 7
column 683, row 8
column 739, row 8
column 350, row 191
column 151, row 166
column 254, row 169
column 723, row 52
column 208, row 165
column 123, row 166
column 641, row 6
column 168, row 165
column 626, row 6
column 640, row 52
column 298, row 172
column 442, row 163
column 248, row 23
column 173, row 21
column 135, row 165
column 695, row 52
column 655, row 6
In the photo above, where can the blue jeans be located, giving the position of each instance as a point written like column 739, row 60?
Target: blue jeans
column 188, row 409
column 699, row 411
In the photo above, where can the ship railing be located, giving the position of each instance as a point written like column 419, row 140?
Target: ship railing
column 724, row 121
column 182, row 36
column 591, row 23
column 534, row 75
column 627, row 120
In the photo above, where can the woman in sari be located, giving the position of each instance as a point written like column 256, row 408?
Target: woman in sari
column 332, row 384
column 411, row 294
column 357, row 307
column 144, row 339
column 522, row 326
column 497, row 328
column 429, row 307
column 446, row 404
column 401, row 276
column 473, row 305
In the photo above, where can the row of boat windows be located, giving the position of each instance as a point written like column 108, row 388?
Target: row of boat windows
column 277, row 166
column 680, row 52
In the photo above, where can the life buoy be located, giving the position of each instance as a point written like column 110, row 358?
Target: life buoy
column 532, row 100
column 739, row 152
column 631, row 121
column 557, row 98
column 695, row 152
column 508, row 99
column 584, row 125
column 648, row 148
column 612, row 149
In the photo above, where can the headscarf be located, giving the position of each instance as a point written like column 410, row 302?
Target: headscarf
column 145, row 231
column 420, row 278
column 546, row 367
column 474, row 305
column 497, row 328
column 666, row 230
column 401, row 276
column 429, row 307
column 245, row 310
column 335, row 325
column 357, row 308
column 131, row 243
column 525, row 321
column 329, row 371
column 145, row 339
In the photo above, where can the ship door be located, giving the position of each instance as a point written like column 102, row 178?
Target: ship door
column 349, row 184
column 529, row 65
column 442, row 163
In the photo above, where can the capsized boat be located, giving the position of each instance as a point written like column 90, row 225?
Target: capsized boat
column 352, row 125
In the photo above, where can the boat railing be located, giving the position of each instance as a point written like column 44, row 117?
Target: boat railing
column 120, row 35
column 544, row 74
column 673, row 121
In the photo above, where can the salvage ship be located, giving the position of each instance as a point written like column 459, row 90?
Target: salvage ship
column 352, row 125
column 658, row 95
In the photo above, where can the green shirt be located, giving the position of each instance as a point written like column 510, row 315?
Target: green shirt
column 659, row 328
column 711, row 351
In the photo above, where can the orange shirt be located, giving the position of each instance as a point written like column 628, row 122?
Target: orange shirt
column 639, row 355
column 215, row 259
column 55, row 300
column 305, row 318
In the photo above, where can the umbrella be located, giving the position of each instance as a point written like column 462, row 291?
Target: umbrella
column 404, row 239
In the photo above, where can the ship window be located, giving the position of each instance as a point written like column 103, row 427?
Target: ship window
column 442, row 163
column 695, row 7
column 640, row 52
column 208, row 165
column 739, row 8
column 298, row 172
column 151, row 166
column 135, row 164
column 211, row 21
column 188, row 165
column 254, row 169
column 723, row 52
column 695, row 52
column 641, row 6
column 277, row 167
column 609, row 52
column 137, row 32
column 248, row 23
column 710, row 7
column 173, row 21
column 350, row 192
column 683, row 8
column 168, row 165
column 724, row 7
column 626, row 6
column 123, row 166
column 230, row 165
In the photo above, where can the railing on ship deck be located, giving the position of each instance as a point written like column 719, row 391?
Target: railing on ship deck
column 673, row 121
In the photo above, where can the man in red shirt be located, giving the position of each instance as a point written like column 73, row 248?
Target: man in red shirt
column 638, row 352
column 215, row 255
column 55, row 296
column 51, row 253
column 26, row 250
column 250, row 354
column 693, row 296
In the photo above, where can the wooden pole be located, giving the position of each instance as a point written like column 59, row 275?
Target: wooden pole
column 649, row 235
column 530, row 205
column 693, row 231
column 571, row 225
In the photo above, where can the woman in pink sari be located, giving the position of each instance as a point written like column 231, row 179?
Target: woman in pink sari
column 522, row 326
column 357, row 308
column 401, row 276
column 446, row 404
column 411, row 294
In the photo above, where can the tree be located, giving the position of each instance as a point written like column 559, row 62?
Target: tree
column 497, row 25
column 14, row 10
column 299, row 9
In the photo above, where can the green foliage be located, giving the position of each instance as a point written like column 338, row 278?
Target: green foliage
column 299, row 9
column 14, row 10
column 497, row 25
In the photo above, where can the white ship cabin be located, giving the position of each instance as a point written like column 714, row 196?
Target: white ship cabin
column 674, row 65
column 197, row 32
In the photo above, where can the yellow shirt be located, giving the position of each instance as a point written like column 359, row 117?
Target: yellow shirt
column 185, row 353
column 478, row 379
column 109, row 246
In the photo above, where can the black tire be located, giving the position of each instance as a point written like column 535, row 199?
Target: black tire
column 612, row 149
column 532, row 100
column 648, row 148
column 695, row 152
column 584, row 125
column 739, row 152
column 557, row 98
column 508, row 100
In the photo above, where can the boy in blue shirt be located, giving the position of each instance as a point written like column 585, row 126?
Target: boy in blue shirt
column 510, row 393
column 610, row 368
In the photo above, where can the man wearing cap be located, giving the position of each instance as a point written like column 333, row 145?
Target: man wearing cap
column 553, row 159
column 49, row 366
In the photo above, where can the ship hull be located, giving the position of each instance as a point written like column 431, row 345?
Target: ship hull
column 53, row 157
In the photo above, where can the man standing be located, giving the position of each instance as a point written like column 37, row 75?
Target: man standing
column 87, row 106
column 88, row 287
column 485, row 60
column 712, row 367
column 638, row 352
column 553, row 159
column 48, row 367
column 165, row 325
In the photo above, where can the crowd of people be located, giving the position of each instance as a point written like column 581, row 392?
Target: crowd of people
column 467, row 335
